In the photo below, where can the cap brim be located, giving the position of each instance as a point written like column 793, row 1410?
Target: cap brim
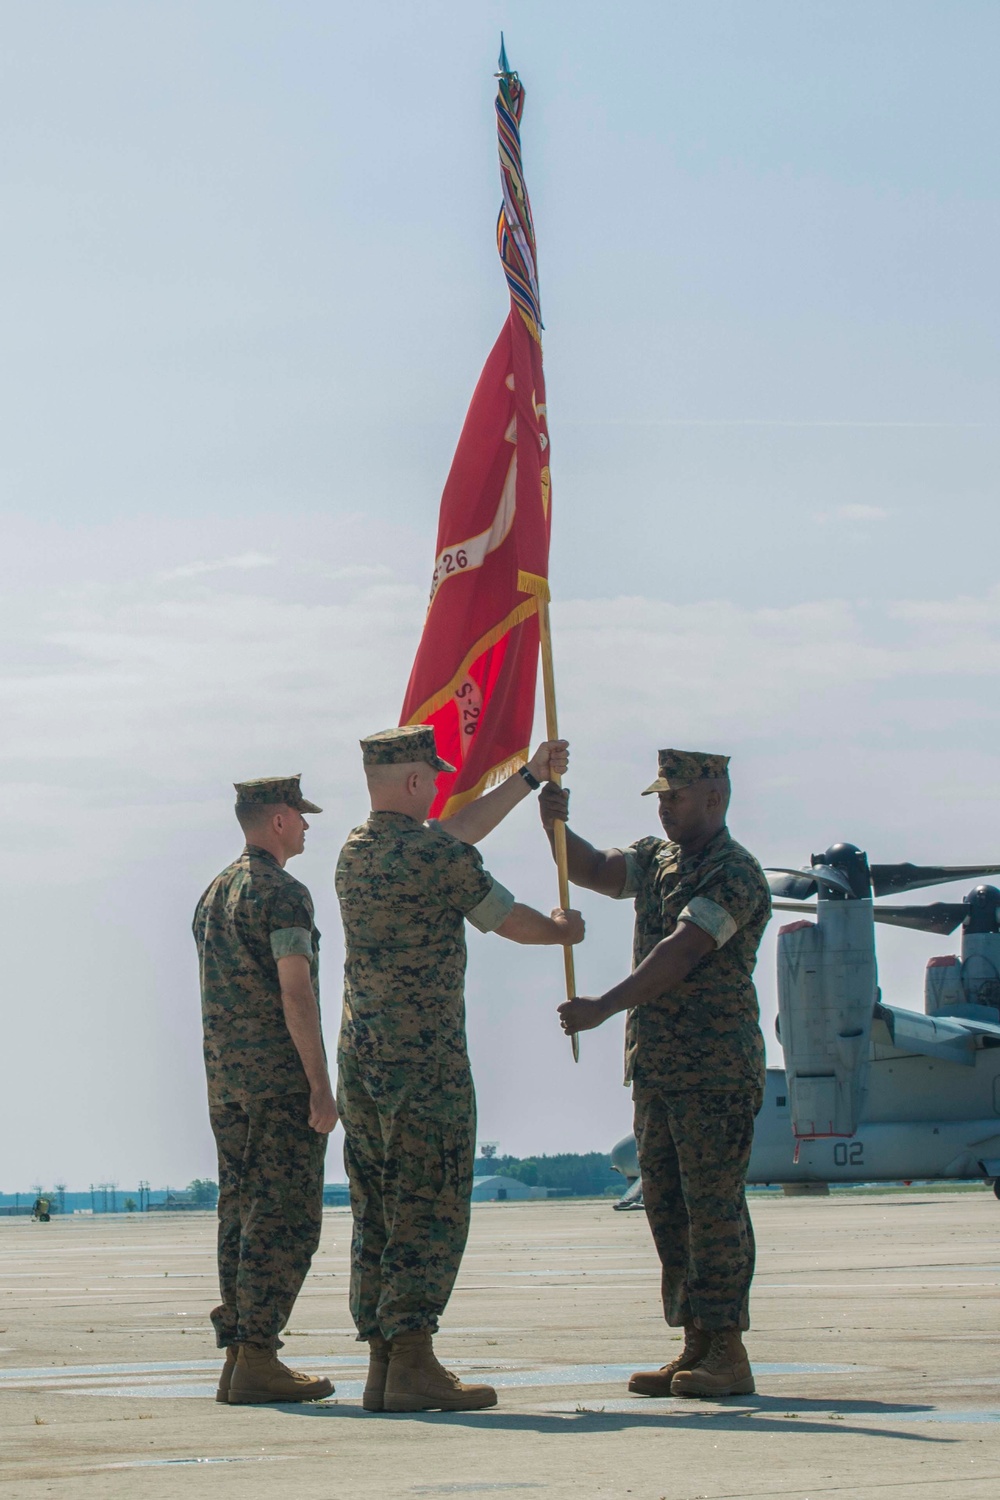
column 657, row 786
column 442, row 765
column 305, row 806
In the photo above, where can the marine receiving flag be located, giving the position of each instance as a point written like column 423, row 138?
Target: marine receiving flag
column 474, row 674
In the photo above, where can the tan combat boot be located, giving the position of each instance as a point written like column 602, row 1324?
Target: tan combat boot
column 378, row 1368
column 657, row 1382
column 724, row 1371
column 260, row 1377
column 225, row 1379
column 416, row 1382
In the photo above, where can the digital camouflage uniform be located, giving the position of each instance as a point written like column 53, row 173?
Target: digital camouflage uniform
column 405, row 1089
column 695, row 1058
column 270, row 1160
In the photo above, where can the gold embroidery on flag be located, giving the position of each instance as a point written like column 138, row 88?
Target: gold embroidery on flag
column 541, row 414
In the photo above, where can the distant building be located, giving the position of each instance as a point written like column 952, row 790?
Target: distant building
column 502, row 1190
column 179, row 1202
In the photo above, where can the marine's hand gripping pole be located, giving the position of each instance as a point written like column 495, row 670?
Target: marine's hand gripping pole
column 559, row 832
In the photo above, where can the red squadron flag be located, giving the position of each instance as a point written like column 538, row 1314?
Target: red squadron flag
column 474, row 674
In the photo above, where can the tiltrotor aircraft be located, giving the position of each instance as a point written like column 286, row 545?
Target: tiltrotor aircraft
column 870, row 1092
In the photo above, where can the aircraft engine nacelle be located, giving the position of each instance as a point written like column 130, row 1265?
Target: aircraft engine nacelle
column 969, row 986
column 827, row 989
column 943, row 989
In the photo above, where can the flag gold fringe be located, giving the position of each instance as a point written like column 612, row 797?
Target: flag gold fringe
column 491, row 779
column 531, row 326
column 522, row 612
column 533, row 583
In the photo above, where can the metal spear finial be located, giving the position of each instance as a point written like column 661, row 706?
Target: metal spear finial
column 505, row 70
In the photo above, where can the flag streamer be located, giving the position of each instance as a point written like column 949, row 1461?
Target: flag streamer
column 515, row 226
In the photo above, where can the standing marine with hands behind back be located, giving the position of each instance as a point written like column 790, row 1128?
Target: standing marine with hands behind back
column 406, row 889
column 270, row 1101
column 694, row 1055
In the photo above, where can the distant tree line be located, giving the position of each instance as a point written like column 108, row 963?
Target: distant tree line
column 586, row 1175
column 204, row 1192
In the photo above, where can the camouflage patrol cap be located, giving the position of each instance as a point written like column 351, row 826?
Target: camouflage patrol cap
column 684, row 767
column 400, row 747
column 271, row 789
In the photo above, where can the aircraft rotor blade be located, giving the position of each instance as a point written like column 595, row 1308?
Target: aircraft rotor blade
column 795, row 883
column 834, row 880
column 889, row 880
column 801, row 883
column 939, row 916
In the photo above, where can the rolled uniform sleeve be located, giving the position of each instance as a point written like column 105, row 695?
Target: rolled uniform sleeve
column 632, row 876
column 638, row 857
column 462, row 883
column 286, row 941
column 726, row 901
column 493, row 910
column 290, row 925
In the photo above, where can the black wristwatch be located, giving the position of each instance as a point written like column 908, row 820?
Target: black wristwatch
column 532, row 781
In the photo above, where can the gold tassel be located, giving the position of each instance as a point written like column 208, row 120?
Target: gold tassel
column 532, row 583
column 491, row 779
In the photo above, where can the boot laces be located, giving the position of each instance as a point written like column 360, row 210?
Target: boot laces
column 448, row 1375
column 718, row 1349
column 293, row 1374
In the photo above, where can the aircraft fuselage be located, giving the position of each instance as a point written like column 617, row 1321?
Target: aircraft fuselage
column 923, row 1119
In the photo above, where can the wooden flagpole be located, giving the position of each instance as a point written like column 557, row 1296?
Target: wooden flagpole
column 552, row 733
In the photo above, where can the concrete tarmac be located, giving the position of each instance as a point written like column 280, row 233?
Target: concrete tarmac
column 875, row 1345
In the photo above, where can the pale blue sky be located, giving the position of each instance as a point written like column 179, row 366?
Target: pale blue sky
column 248, row 281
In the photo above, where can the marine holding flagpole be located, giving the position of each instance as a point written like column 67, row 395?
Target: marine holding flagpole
column 694, row 1054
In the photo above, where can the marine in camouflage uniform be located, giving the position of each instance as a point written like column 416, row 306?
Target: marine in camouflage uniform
column 270, row 1157
column 694, row 1053
column 405, row 1093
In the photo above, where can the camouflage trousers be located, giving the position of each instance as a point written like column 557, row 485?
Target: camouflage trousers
column 410, row 1174
column 694, row 1150
column 270, row 1213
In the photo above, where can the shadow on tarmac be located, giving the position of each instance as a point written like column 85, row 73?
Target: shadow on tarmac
column 770, row 1414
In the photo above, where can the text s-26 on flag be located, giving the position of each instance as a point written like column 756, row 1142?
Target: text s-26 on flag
column 474, row 674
